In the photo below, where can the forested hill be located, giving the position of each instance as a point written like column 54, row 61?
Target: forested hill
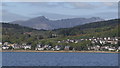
column 113, row 22
column 15, row 33
column 16, row 27
column 90, row 28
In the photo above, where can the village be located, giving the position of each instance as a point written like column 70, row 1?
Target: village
column 98, row 44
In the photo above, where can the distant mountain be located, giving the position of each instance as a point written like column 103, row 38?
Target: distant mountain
column 44, row 23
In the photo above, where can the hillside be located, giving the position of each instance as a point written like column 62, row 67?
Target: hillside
column 15, row 33
column 90, row 28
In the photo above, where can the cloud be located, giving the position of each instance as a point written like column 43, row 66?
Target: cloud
column 112, row 5
column 43, row 4
column 82, row 5
column 76, row 5
column 57, row 10
column 108, row 15
column 94, row 5
column 8, row 16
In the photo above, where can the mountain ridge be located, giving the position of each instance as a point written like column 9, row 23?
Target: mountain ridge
column 42, row 22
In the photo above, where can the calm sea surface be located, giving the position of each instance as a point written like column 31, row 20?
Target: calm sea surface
column 59, row 59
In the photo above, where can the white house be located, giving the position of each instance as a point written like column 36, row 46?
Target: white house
column 27, row 47
column 6, row 43
column 16, row 46
column 57, row 47
column 119, row 48
column 111, row 49
column 4, row 47
column 40, row 49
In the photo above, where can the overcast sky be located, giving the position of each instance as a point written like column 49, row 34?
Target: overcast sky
column 12, row 11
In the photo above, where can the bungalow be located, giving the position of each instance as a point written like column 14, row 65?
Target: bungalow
column 67, row 48
column 59, row 41
column 53, row 49
column 46, row 46
column 90, row 39
column 76, row 41
column 27, row 47
column 109, row 38
column 118, row 49
column 16, row 46
column 49, row 47
column 39, row 47
column 6, row 43
column 115, row 39
column 94, row 48
column 112, row 42
column 57, row 47
column 105, row 38
column 72, row 41
column 102, row 42
column 111, row 49
column 104, row 48
column 11, row 45
column 4, row 47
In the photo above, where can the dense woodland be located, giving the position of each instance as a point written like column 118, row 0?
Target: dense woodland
column 14, row 33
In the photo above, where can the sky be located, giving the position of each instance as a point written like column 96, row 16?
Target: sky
column 12, row 11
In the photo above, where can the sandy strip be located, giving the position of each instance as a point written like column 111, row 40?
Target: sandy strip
column 58, row 51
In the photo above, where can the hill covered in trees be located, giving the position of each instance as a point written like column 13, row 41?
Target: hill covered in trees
column 95, row 28
column 15, row 33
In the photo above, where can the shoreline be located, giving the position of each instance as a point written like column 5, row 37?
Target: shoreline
column 58, row 51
